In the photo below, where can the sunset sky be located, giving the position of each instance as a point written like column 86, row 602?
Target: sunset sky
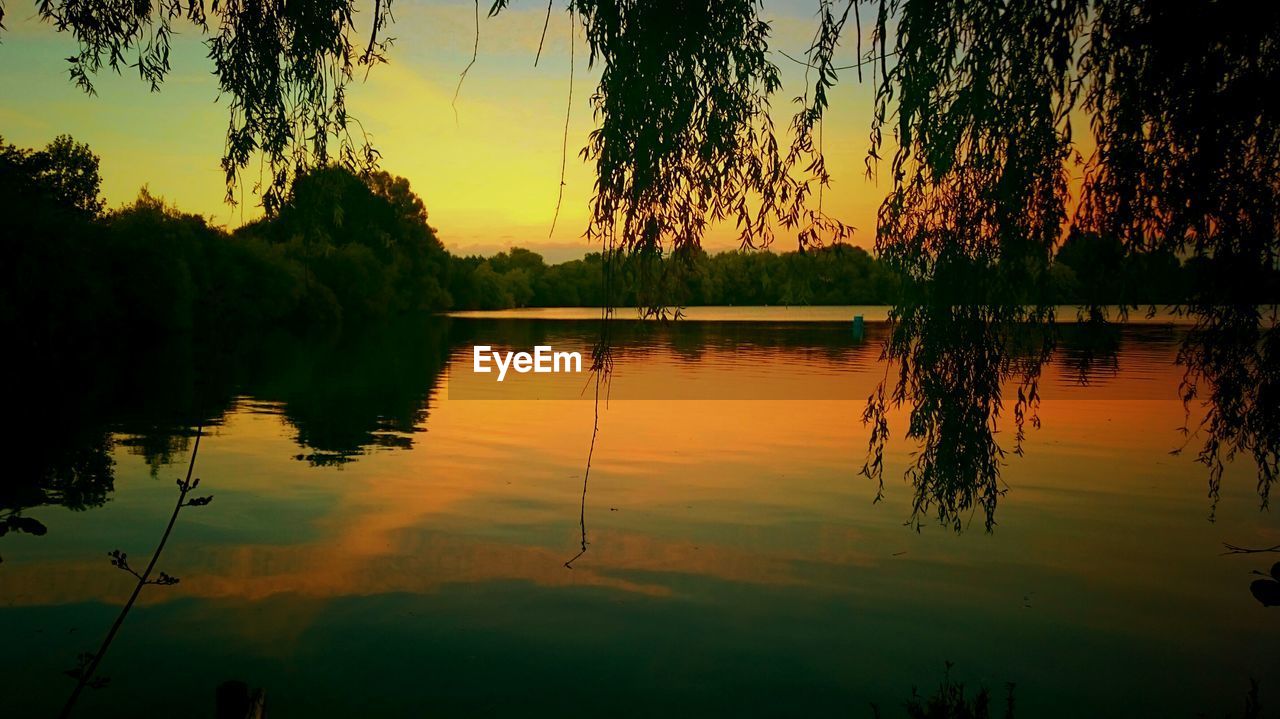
column 488, row 178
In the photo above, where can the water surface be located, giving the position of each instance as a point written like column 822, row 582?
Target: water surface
column 382, row 544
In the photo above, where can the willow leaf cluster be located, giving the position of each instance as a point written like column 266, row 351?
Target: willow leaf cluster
column 684, row 134
column 284, row 67
column 979, row 100
column 1187, row 125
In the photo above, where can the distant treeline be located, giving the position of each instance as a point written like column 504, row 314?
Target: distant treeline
column 353, row 249
column 837, row 275
column 1087, row 270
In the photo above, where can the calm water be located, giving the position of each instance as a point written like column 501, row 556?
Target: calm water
column 382, row 543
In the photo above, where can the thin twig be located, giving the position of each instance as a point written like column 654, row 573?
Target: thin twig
column 475, row 52
column 373, row 33
column 87, row 672
column 601, row 367
column 568, row 110
column 582, row 510
column 1233, row 549
column 546, row 22
column 857, row 20
column 868, row 61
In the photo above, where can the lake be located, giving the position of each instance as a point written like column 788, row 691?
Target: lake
column 389, row 533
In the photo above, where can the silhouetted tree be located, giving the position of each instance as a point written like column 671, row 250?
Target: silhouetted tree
column 980, row 98
column 65, row 171
column 284, row 68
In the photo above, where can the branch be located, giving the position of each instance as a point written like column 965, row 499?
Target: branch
column 89, row 666
column 868, row 61
column 564, row 143
column 475, row 52
column 543, row 39
column 1233, row 549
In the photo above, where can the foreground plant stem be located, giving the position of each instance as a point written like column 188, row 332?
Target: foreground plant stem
column 86, row 673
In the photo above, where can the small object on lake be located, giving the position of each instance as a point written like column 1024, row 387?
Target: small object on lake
column 1267, row 591
column 858, row 328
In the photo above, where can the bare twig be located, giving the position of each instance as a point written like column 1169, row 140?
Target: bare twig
column 543, row 39
column 475, row 52
column 564, row 143
column 85, row 673
column 1233, row 549
column 868, row 61
column 582, row 510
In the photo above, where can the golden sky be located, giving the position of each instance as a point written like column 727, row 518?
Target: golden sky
column 488, row 177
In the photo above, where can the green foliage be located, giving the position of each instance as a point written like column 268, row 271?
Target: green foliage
column 1103, row 272
column 64, row 173
column 1086, row 270
column 838, row 274
column 685, row 137
column 354, row 249
column 342, row 248
column 365, row 238
column 284, row 68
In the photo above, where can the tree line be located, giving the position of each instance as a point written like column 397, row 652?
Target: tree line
column 348, row 248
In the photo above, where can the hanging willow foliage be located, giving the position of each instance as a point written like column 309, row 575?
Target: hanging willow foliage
column 977, row 96
column 1187, row 123
column 1181, row 105
column 977, row 101
column 283, row 65
column 685, row 136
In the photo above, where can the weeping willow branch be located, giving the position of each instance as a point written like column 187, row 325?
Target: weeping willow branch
column 979, row 104
column 599, row 376
column 283, row 67
column 546, row 23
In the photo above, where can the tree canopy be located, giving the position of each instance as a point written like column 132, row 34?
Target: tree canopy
column 978, row 97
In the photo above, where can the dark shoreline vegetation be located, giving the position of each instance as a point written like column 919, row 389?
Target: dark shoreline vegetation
column 347, row 249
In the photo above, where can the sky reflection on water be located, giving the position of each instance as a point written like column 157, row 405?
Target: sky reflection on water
column 736, row 560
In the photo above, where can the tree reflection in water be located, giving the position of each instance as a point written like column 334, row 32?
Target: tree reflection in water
column 1185, row 134
column 1232, row 361
column 952, row 364
column 956, row 367
column 343, row 398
